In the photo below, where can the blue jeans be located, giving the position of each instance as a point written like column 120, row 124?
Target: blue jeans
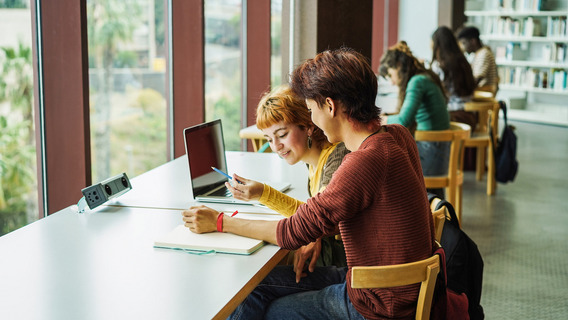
column 434, row 158
column 320, row 295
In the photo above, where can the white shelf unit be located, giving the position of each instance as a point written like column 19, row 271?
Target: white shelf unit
column 533, row 89
column 531, row 48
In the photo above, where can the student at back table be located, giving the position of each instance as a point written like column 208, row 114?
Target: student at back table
column 450, row 64
column 376, row 198
column 483, row 64
column 423, row 105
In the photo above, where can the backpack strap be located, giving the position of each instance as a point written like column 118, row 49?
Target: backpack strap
column 503, row 106
column 431, row 196
column 453, row 217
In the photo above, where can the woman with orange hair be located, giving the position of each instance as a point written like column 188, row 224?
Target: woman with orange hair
column 286, row 123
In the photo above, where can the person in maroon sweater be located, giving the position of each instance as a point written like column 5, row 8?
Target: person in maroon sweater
column 376, row 198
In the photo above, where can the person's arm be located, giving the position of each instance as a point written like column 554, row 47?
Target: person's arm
column 412, row 101
column 333, row 162
column 202, row 219
column 480, row 66
column 342, row 199
column 279, row 201
column 250, row 190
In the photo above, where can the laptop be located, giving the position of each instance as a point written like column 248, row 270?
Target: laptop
column 205, row 148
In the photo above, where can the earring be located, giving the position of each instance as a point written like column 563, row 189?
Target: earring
column 309, row 142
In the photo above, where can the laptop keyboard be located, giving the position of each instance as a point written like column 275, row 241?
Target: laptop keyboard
column 223, row 192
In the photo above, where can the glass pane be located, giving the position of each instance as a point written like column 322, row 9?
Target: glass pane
column 127, row 86
column 18, row 170
column 276, row 42
column 223, row 69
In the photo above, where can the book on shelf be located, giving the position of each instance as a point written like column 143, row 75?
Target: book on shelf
column 514, row 51
column 521, row 5
column 556, row 27
column 554, row 53
column 500, row 52
column 527, row 27
column 533, row 77
column 559, row 80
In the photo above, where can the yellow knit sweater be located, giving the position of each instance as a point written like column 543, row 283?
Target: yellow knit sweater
column 286, row 205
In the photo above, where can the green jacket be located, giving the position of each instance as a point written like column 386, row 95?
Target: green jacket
column 425, row 103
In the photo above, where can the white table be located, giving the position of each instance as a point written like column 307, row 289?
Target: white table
column 102, row 264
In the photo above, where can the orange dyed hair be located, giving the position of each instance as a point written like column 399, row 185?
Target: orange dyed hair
column 282, row 105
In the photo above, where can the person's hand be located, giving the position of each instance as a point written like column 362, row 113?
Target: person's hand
column 200, row 219
column 306, row 252
column 245, row 189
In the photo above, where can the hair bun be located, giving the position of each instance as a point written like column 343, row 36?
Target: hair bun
column 402, row 46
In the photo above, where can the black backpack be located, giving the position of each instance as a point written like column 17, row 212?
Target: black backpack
column 463, row 261
column 506, row 164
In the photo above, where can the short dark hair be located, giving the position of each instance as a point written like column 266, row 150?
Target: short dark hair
column 343, row 75
column 469, row 33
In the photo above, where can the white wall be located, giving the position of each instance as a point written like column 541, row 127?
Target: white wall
column 417, row 20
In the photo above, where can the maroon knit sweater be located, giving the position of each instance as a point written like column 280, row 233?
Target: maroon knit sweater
column 378, row 198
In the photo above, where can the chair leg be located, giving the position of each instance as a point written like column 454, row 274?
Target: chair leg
column 459, row 206
column 451, row 195
column 491, row 182
column 480, row 164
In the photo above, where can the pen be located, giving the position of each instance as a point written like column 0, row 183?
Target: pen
column 221, row 172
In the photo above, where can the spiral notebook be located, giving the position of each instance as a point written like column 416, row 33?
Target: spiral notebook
column 182, row 238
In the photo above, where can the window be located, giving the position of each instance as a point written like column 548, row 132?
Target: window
column 223, row 67
column 127, row 86
column 276, row 43
column 18, row 178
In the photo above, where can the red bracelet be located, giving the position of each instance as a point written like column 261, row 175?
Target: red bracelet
column 220, row 222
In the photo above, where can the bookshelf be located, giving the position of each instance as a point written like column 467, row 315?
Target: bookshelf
column 530, row 41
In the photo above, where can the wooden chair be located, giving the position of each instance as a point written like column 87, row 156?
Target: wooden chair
column 256, row 138
column 424, row 272
column 480, row 95
column 439, row 217
column 488, row 119
column 453, row 181
column 484, row 91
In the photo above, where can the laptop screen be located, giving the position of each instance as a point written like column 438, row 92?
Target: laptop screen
column 205, row 148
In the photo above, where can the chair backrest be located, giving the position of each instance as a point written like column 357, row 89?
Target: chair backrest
column 488, row 116
column 439, row 217
column 486, row 90
column 483, row 109
column 423, row 272
column 457, row 134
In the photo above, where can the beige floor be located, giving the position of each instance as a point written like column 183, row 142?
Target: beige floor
column 522, row 231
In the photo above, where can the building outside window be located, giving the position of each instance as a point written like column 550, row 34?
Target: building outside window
column 18, row 178
column 127, row 86
column 223, row 67
column 276, row 43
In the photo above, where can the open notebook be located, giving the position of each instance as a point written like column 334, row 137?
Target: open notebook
column 182, row 238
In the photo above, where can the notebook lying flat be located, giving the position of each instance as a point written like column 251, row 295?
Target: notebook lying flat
column 182, row 238
column 205, row 148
